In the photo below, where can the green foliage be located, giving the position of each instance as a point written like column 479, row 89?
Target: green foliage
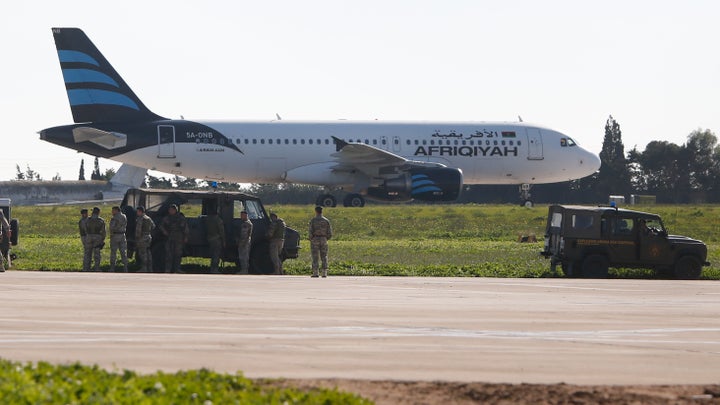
column 391, row 240
column 44, row 383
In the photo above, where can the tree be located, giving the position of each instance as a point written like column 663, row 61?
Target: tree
column 614, row 174
column 660, row 170
column 81, row 176
column 700, row 148
column 96, row 171
column 20, row 175
column 29, row 174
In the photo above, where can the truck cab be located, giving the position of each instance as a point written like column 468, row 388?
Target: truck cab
column 586, row 241
column 195, row 206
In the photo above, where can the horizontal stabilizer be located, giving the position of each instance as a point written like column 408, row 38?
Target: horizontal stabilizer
column 108, row 140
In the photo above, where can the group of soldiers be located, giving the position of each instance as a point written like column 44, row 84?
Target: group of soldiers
column 93, row 233
column 176, row 231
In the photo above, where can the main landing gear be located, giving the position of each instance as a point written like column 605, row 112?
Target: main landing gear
column 350, row 200
column 525, row 195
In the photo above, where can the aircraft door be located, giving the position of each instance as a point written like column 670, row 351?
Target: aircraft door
column 396, row 144
column 166, row 141
column 535, row 145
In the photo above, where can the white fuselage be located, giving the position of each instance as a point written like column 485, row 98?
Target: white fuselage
column 272, row 152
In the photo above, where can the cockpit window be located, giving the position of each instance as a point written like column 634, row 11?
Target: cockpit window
column 567, row 142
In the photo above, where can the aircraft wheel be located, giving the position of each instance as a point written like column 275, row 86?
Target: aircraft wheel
column 354, row 200
column 326, row 200
column 527, row 204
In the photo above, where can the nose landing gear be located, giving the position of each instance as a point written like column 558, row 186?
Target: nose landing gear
column 525, row 195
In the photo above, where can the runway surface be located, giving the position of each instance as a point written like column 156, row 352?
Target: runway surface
column 455, row 329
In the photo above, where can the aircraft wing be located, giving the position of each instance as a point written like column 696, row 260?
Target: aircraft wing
column 108, row 140
column 372, row 161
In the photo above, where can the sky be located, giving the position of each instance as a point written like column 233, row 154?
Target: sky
column 653, row 65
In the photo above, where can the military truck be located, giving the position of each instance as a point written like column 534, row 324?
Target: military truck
column 195, row 206
column 5, row 249
column 586, row 241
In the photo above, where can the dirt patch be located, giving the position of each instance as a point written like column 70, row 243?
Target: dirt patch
column 431, row 392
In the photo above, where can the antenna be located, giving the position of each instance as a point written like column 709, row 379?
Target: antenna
column 520, row 118
column 278, row 117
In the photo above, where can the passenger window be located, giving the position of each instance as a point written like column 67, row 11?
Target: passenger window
column 556, row 220
column 582, row 221
column 623, row 226
column 253, row 210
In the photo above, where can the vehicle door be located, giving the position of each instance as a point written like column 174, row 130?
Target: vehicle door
column 620, row 236
column 653, row 245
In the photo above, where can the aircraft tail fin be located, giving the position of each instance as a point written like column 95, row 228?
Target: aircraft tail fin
column 95, row 90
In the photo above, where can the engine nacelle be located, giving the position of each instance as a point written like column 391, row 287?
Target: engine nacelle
column 431, row 184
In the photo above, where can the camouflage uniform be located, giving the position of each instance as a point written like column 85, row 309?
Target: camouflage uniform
column 276, row 235
column 144, row 226
column 319, row 233
column 216, row 239
column 95, row 240
column 118, row 225
column 4, row 241
column 82, row 226
column 243, row 237
column 175, row 228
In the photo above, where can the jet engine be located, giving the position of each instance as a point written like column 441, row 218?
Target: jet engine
column 425, row 184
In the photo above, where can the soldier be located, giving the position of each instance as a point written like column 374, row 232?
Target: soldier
column 4, row 241
column 175, row 228
column 216, row 239
column 243, row 237
column 82, row 226
column 320, row 232
column 144, row 226
column 118, row 225
column 276, row 235
column 95, row 239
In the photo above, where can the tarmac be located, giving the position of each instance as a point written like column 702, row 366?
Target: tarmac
column 382, row 328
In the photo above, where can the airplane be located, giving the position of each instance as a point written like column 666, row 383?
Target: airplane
column 385, row 161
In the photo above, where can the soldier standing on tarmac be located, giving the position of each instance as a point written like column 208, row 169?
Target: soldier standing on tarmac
column 216, row 239
column 95, row 239
column 243, row 238
column 118, row 225
column 4, row 241
column 320, row 232
column 276, row 234
column 144, row 226
column 175, row 228
column 82, row 226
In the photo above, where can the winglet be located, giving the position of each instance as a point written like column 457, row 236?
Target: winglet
column 339, row 144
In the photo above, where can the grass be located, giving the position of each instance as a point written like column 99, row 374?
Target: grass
column 44, row 383
column 410, row 240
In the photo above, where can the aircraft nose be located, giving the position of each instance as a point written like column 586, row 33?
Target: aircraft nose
column 591, row 162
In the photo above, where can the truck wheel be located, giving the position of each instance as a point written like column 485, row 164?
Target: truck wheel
column 688, row 268
column 595, row 266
